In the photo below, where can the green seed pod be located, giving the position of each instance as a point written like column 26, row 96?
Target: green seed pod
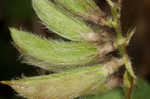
column 66, row 85
column 84, row 8
column 57, row 19
column 53, row 55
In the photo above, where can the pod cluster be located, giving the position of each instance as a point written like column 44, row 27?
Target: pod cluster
column 81, row 62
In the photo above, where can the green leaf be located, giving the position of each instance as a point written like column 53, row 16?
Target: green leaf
column 57, row 19
column 65, row 85
column 116, row 93
column 53, row 55
column 140, row 92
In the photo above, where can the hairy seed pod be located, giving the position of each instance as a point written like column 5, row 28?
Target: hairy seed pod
column 84, row 8
column 57, row 19
column 51, row 54
column 67, row 85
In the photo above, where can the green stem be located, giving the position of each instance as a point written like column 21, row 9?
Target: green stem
column 122, row 48
column 127, row 61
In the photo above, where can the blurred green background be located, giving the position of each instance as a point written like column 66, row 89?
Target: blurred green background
column 19, row 14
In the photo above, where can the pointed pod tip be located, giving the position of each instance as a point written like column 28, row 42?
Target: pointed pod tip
column 12, row 28
column 6, row 83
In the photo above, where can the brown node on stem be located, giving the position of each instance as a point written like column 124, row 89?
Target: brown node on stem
column 114, row 64
column 114, row 81
column 104, row 49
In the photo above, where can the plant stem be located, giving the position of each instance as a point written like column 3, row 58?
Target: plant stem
column 122, row 48
column 127, row 61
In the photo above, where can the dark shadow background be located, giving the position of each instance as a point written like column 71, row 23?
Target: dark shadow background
column 19, row 14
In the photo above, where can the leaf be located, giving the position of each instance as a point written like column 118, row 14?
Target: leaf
column 66, row 85
column 57, row 19
column 140, row 92
column 53, row 55
column 116, row 93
